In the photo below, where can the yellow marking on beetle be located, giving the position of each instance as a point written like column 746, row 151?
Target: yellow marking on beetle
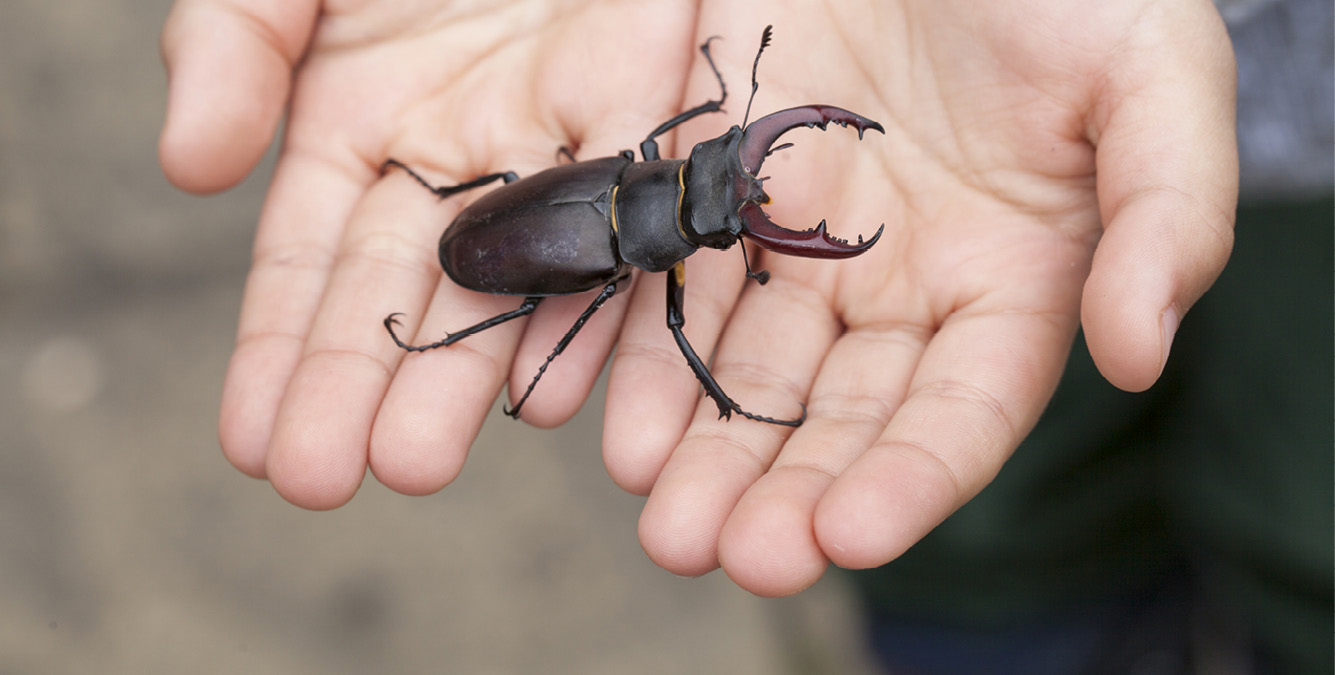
column 681, row 192
column 614, row 208
column 679, row 273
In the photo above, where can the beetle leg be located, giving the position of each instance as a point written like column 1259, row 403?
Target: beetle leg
column 603, row 295
column 761, row 277
column 448, row 190
column 676, row 318
column 525, row 309
column 649, row 148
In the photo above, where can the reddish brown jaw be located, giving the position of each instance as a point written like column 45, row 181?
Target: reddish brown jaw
column 761, row 134
column 755, row 145
column 814, row 243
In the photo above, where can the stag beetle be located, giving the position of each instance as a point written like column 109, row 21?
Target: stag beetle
column 584, row 225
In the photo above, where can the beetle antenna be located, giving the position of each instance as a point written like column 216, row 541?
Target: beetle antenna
column 762, row 277
column 764, row 42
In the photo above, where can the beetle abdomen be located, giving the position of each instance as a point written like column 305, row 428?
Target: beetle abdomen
column 549, row 250
column 546, row 234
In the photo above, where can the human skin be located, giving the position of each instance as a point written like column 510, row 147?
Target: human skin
column 1046, row 166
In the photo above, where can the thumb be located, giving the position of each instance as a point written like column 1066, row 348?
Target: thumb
column 1167, row 186
column 229, row 71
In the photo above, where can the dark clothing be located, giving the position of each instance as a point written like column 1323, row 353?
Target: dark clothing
column 1187, row 523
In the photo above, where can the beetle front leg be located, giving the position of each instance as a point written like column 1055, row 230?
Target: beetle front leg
column 649, row 148
column 676, row 319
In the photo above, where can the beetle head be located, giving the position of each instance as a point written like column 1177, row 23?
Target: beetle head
column 715, row 188
column 724, row 194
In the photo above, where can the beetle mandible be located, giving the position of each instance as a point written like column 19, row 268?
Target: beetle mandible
column 583, row 226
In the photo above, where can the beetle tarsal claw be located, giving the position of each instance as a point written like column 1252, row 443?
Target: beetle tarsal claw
column 796, row 422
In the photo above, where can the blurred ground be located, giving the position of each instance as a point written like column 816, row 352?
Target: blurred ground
column 129, row 545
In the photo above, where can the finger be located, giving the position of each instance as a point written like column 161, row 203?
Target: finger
column 229, row 68
column 980, row 387
column 768, row 545
column 1167, row 184
column 318, row 450
column 766, row 364
column 294, row 250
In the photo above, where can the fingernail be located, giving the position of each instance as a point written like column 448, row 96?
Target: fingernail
column 1168, row 322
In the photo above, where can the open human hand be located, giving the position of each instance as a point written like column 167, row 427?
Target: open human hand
column 1045, row 166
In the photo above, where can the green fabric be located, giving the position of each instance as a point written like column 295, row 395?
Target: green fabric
column 1225, row 466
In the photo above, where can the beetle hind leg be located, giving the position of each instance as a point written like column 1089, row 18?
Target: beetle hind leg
column 525, row 309
column 602, row 297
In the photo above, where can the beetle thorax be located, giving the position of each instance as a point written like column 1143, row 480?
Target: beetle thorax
column 648, row 235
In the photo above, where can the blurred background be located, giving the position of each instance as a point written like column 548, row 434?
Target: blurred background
column 127, row 542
